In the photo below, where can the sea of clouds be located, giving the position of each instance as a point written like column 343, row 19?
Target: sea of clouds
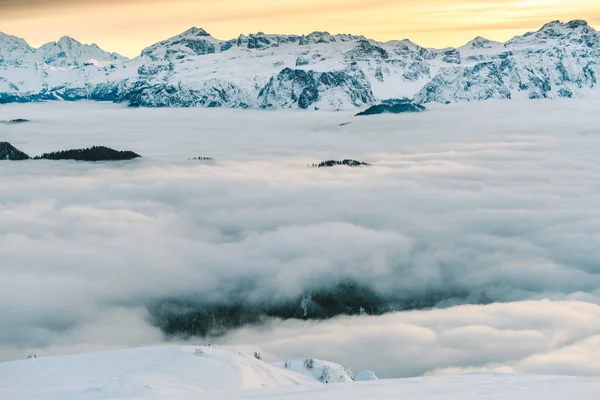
column 495, row 202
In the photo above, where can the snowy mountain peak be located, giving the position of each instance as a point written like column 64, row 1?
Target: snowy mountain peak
column 68, row 52
column 481, row 43
column 14, row 50
column 68, row 41
column 553, row 25
column 193, row 42
column 560, row 34
column 558, row 28
column 577, row 23
column 318, row 37
column 194, row 31
column 5, row 37
column 479, row 46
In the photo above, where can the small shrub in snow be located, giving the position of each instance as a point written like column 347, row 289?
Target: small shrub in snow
column 257, row 355
column 325, row 376
column 309, row 363
column 349, row 372
column 345, row 375
column 287, row 364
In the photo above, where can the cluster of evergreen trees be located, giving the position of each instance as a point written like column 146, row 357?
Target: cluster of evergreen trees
column 95, row 153
column 333, row 163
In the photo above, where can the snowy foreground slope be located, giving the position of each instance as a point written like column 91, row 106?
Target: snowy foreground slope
column 316, row 71
column 141, row 373
column 217, row 373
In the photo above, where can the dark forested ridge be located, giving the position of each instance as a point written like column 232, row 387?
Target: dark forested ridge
column 95, row 153
column 11, row 153
column 195, row 316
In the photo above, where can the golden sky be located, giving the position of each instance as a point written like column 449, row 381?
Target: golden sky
column 127, row 26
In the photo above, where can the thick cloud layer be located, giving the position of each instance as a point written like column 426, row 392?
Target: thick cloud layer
column 540, row 337
column 462, row 205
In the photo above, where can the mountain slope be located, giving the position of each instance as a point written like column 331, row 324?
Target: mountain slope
column 559, row 60
column 316, row 71
column 141, row 373
column 14, row 51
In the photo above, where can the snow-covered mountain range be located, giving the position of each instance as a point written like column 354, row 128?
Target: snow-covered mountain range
column 315, row 71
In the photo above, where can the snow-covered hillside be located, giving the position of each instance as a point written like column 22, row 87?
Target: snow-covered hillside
column 316, row 71
column 184, row 373
column 154, row 372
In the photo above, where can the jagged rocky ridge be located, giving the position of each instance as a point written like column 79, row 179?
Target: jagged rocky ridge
column 316, row 71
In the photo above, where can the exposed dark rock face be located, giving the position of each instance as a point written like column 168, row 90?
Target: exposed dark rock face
column 348, row 163
column 317, row 37
column 306, row 89
column 392, row 108
column 194, row 41
column 199, row 47
column 481, row 82
column 366, row 50
column 11, row 153
column 95, row 153
column 302, row 61
column 153, row 69
column 261, row 41
column 141, row 93
column 451, row 56
column 6, row 98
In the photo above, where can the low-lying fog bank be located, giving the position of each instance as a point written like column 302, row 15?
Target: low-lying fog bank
column 465, row 204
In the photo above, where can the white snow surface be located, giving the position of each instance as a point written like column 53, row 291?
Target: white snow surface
column 173, row 372
column 144, row 373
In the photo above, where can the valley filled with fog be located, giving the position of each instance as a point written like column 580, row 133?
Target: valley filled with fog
column 469, row 244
